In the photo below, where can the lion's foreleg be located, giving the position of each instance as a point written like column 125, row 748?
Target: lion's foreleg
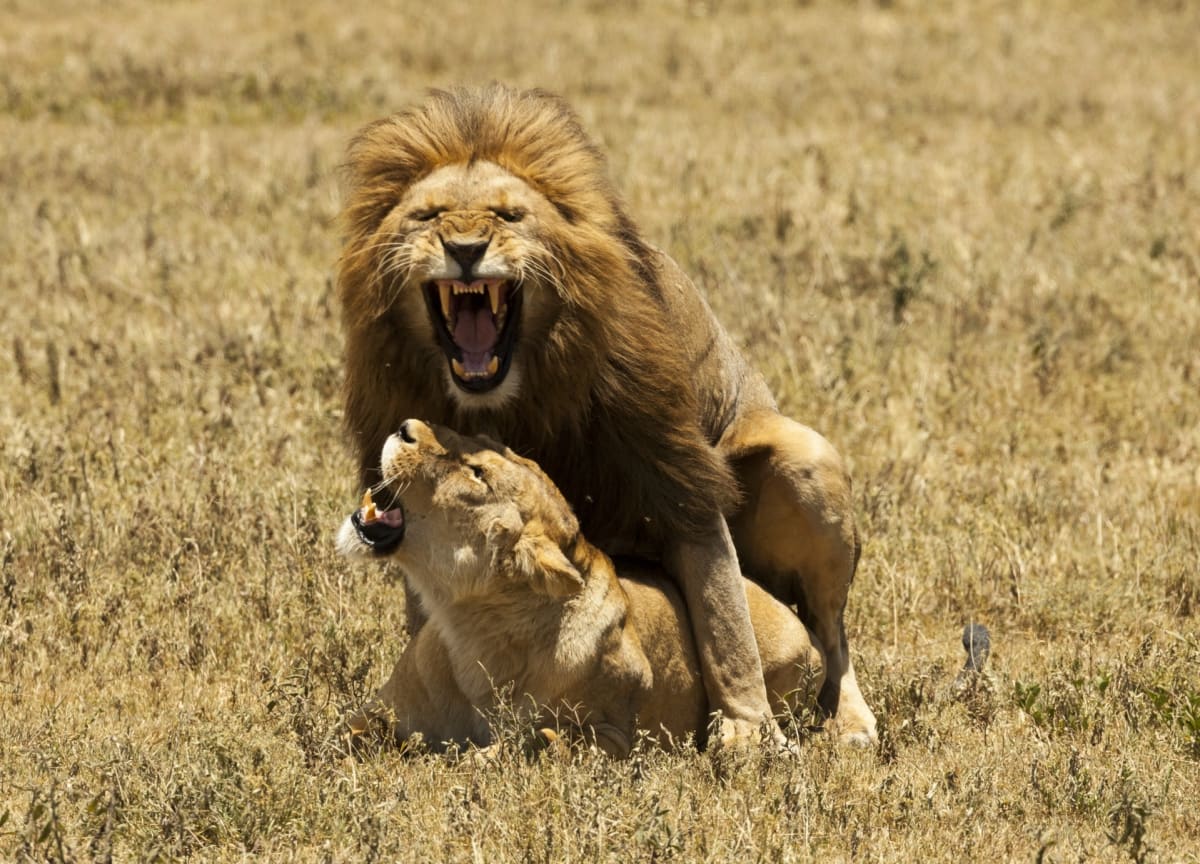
column 706, row 569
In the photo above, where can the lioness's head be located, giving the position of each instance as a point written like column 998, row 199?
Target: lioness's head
column 461, row 513
column 484, row 236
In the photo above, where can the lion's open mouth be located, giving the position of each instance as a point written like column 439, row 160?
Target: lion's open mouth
column 476, row 325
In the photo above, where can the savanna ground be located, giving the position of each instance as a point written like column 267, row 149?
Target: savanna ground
column 961, row 239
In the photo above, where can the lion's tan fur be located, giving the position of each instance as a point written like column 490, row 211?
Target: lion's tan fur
column 519, row 599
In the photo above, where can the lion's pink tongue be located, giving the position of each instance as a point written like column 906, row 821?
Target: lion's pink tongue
column 475, row 334
column 475, row 330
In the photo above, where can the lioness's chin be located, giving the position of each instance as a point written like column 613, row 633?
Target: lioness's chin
column 374, row 536
column 349, row 544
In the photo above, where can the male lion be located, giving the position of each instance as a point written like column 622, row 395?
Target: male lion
column 491, row 281
column 517, row 598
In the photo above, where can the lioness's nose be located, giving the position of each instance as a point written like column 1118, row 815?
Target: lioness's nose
column 409, row 430
column 466, row 254
column 415, row 433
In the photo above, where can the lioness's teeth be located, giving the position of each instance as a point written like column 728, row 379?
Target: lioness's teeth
column 444, row 293
column 493, row 365
column 493, row 289
column 459, row 369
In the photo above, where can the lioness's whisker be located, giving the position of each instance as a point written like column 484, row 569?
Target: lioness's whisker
column 396, row 496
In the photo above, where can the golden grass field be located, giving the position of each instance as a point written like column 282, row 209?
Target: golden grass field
column 961, row 239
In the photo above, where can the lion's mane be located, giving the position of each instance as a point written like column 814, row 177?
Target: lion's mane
column 607, row 403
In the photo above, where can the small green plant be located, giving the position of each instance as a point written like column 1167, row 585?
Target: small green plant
column 1027, row 698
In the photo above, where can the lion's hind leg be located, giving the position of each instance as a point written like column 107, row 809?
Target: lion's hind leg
column 795, row 534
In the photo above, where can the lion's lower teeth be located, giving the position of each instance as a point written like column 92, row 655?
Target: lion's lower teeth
column 461, row 371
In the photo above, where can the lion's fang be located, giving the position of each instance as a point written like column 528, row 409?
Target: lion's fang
column 444, row 293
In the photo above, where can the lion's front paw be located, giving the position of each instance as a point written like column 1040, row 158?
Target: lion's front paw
column 854, row 729
column 727, row 732
column 858, row 739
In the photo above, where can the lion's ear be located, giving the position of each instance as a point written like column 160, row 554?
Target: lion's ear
column 542, row 562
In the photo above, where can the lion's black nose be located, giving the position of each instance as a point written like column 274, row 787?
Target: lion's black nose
column 406, row 434
column 466, row 254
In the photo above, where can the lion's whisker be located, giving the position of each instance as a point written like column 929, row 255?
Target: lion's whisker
column 371, row 247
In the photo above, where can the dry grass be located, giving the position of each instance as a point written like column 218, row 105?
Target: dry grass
column 960, row 238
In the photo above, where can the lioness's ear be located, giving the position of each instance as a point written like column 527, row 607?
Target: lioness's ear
column 548, row 570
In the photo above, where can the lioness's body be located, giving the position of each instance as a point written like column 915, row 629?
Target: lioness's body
column 532, row 608
column 598, row 358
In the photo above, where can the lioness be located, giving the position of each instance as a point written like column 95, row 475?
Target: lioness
column 517, row 597
column 491, row 280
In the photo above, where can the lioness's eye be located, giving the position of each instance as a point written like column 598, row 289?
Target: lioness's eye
column 477, row 471
column 426, row 215
column 510, row 215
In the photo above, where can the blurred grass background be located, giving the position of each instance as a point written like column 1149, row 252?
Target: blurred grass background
column 960, row 239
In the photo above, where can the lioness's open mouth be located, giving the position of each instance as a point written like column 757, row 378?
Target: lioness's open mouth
column 379, row 530
column 476, row 325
